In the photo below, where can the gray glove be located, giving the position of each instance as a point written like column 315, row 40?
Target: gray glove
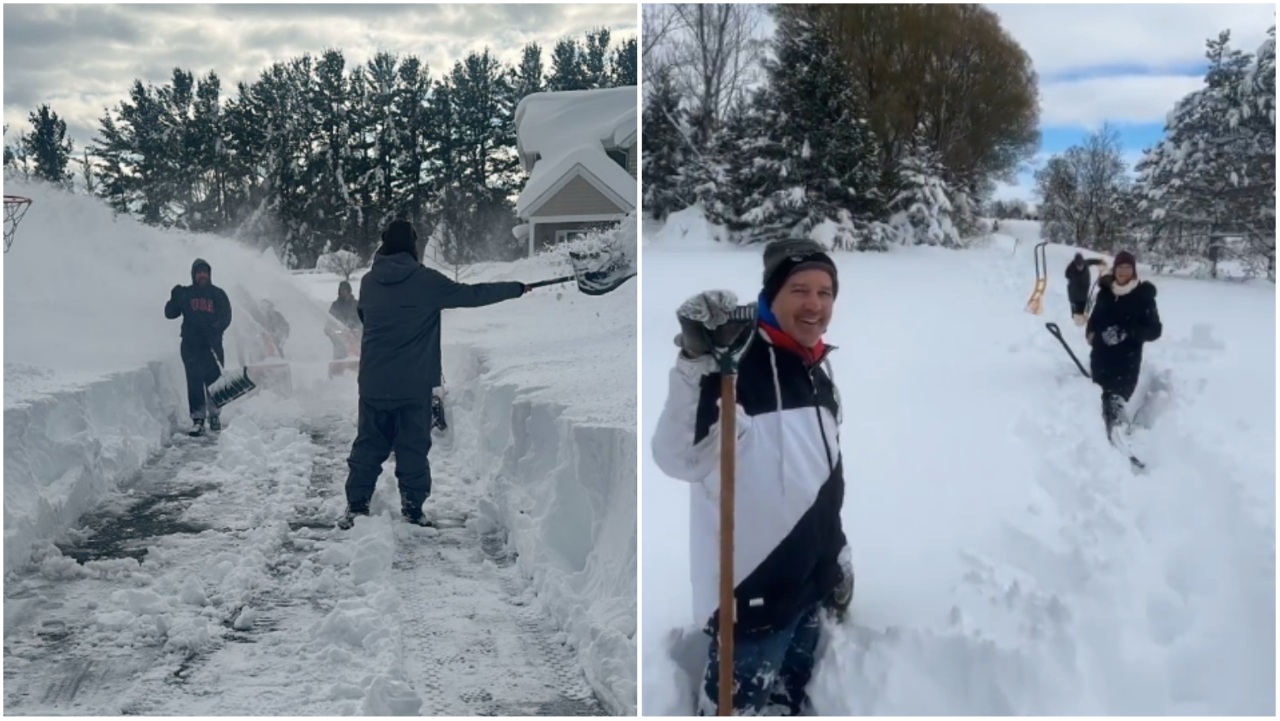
column 842, row 594
column 1113, row 335
column 702, row 322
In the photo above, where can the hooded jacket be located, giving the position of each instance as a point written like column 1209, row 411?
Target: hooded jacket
column 1078, row 279
column 1132, row 311
column 789, row 480
column 399, row 307
column 205, row 311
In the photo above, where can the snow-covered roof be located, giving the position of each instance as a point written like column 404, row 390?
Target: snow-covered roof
column 554, row 123
column 599, row 169
column 561, row 134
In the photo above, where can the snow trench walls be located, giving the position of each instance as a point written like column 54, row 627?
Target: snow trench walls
column 63, row 452
column 563, row 495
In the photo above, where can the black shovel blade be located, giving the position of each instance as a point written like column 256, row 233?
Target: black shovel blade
column 226, row 390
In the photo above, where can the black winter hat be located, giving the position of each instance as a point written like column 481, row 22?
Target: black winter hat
column 399, row 237
column 1124, row 257
column 196, row 266
column 784, row 258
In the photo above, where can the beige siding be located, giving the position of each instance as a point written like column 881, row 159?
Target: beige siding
column 545, row 235
column 578, row 197
column 631, row 161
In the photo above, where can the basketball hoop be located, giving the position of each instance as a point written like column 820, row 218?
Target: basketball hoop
column 15, row 206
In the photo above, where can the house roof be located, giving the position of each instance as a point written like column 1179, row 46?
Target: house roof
column 554, row 123
column 559, row 133
column 599, row 169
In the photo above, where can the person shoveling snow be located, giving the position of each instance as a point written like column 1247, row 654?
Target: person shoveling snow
column 399, row 307
column 206, row 315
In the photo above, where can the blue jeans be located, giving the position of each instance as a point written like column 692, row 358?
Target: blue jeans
column 768, row 670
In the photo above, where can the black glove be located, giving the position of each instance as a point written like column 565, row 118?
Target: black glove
column 842, row 595
column 703, row 323
column 177, row 291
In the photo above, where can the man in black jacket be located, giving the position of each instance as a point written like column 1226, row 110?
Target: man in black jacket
column 1124, row 317
column 1078, row 281
column 399, row 306
column 790, row 555
column 206, row 315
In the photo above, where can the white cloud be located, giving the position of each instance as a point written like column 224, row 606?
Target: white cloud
column 1137, row 99
column 1073, row 37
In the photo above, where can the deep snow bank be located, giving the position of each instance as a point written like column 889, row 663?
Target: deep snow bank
column 542, row 389
column 93, row 381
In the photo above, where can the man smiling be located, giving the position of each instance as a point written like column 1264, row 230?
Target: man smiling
column 790, row 555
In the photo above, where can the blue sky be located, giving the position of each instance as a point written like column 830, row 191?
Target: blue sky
column 1123, row 64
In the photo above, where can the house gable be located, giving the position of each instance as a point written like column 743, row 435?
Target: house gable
column 578, row 193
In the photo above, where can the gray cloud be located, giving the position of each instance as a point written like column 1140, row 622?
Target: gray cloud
column 99, row 50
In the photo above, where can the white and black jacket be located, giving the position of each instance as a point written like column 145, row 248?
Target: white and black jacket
column 789, row 483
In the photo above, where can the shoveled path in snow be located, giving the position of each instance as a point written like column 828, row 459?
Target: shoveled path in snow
column 217, row 584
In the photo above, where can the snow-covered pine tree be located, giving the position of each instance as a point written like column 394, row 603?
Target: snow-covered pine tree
column 664, row 149
column 921, row 209
column 1206, row 180
column 818, row 156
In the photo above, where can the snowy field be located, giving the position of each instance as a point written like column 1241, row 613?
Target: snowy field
column 1008, row 560
column 151, row 573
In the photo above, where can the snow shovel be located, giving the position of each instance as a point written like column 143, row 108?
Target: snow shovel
column 605, row 277
column 1057, row 333
column 229, row 386
column 728, row 343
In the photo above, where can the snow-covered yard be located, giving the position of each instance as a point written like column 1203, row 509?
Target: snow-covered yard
column 1008, row 560
column 151, row 573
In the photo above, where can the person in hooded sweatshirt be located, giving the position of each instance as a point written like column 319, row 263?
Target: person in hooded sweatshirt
column 399, row 306
column 792, row 563
column 344, row 308
column 206, row 315
column 1124, row 317
column 1078, row 281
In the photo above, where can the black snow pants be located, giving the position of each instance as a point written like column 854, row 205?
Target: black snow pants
column 1078, row 305
column 201, row 369
column 383, row 427
column 1116, row 372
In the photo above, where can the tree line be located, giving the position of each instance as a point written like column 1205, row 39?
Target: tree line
column 884, row 123
column 1205, row 193
column 315, row 155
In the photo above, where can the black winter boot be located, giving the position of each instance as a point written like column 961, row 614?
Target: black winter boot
column 353, row 509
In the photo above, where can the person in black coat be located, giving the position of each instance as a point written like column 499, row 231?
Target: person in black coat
column 344, row 308
column 206, row 315
column 1078, row 281
column 399, row 309
column 1124, row 318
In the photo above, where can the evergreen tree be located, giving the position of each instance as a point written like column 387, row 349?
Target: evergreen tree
column 920, row 206
column 48, row 147
column 822, row 156
column 664, row 151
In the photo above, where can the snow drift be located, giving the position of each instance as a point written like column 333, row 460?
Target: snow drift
column 93, row 381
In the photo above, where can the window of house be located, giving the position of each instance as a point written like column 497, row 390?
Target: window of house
column 618, row 156
column 563, row 236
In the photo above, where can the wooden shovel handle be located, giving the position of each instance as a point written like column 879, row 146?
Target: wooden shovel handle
column 728, row 454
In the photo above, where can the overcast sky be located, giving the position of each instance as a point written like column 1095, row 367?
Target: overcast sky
column 82, row 58
column 1127, row 64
